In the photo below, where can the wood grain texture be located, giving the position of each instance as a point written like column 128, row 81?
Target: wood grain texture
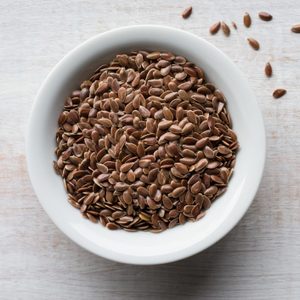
column 259, row 259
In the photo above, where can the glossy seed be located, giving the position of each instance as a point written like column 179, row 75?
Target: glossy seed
column 265, row 16
column 187, row 12
column 253, row 43
column 278, row 93
column 225, row 28
column 178, row 191
column 296, row 28
column 215, row 28
column 247, row 20
column 268, row 70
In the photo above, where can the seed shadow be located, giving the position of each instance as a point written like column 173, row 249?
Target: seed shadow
column 213, row 274
column 186, row 279
column 200, row 274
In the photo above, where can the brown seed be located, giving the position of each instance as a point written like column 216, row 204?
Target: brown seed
column 153, row 55
column 167, row 203
column 125, row 219
column 224, row 150
column 217, row 179
column 234, row 25
column 152, row 190
column 127, row 197
column 131, row 147
column 167, row 113
column 188, row 153
column 188, row 128
column 164, row 124
column 208, row 152
column 103, row 177
column 166, row 189
column 144, row 163
column 180, row 76
column 178, row 191
column 140, row 150
column 112, row 226
column 145, row 217
column 168, row 136
column 296, row 28
column 247, row 20
column 191, row 116
column 188, row 161
column 183, row 95
column 225, row 28
column 212, row 190
column 183, row 169
column 121, row 186
column 152, row 175
column 102, row 168
column 206, row 202
column 165, row 71
column 126, row 167
column 89, row 199
column 182, row 218
column 268, row 70
column 253, row 43
column 187, row 12
column 152, row 205
column 188, row 209
column 265, row 16
column 202, row 142
column 201, row 164
column 278, row 93
column 176, row 173
column 175, row 129
column 105, row 122
column 143, row 191
column 103, row 87
column 144, row 112
column 196, row 187
column 173, row 223
column 215, row 28
column 139, row 59
column 199, row 98
column 131, row 176
column 185, row 85
column 212, row 165
column 155, row 82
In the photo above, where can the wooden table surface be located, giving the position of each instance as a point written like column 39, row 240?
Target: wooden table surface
column 259, row 259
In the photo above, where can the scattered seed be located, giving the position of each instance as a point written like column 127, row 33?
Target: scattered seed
column 187, row 12
column 296, row 28
column 215, row 28
column 234, row 25
column 265, row 16
column 268, row 70
column 225, row 28
column 278, row 93
column 247, row 20
column 253, row 43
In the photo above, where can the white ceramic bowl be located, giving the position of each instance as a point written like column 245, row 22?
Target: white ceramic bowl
column 144, row 247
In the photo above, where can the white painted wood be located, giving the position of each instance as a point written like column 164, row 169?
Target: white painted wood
column 259, row 259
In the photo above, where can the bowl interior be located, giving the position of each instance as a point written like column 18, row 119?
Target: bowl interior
column 144, row 247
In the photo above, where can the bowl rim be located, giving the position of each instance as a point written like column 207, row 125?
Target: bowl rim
column 176, row 255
